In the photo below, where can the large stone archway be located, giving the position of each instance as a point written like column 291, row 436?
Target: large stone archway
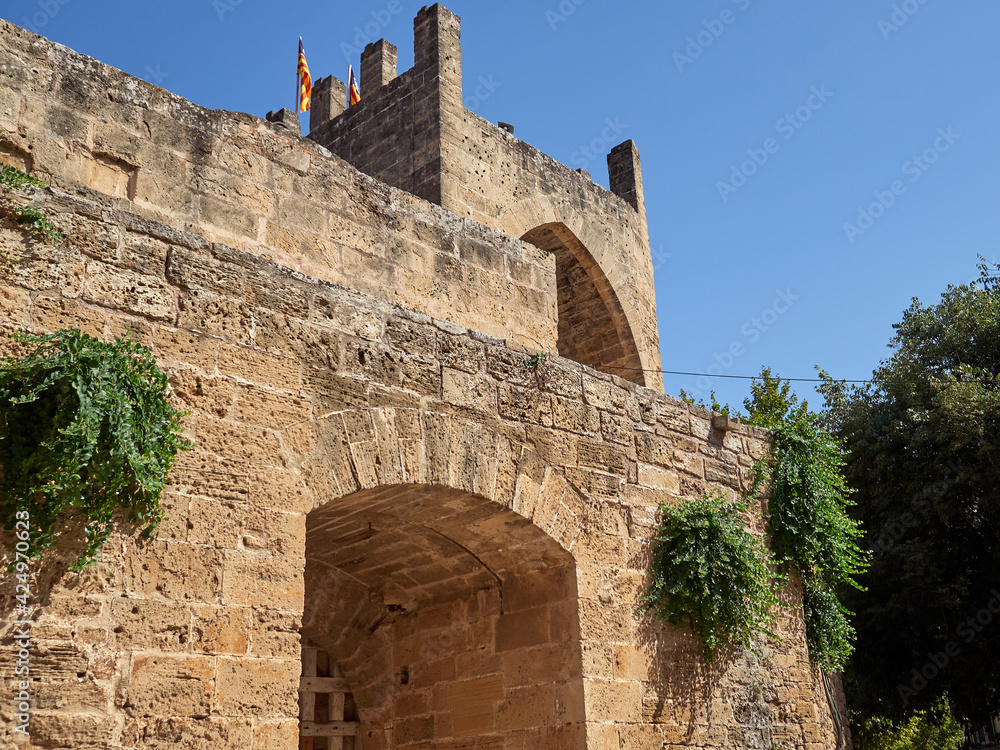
column 606, row 256
column 593, row 329
column 441, row 583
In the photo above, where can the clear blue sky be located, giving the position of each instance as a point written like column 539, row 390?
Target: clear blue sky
column 767, row 269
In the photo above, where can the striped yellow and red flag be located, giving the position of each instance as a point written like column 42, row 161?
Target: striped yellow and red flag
column 352, row 88
column 305, row 81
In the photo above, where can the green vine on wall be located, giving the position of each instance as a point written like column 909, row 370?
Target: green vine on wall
column 711, row 573
column 536, row 364
column 807, row 515
column 14, row 179
column 808, row 526
column 85, row 426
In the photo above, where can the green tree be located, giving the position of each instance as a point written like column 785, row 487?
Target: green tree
column 934, row 729
column 924, row 448
column 772, row 403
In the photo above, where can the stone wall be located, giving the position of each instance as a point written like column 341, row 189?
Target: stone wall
column 377, row 477
column 88, row 128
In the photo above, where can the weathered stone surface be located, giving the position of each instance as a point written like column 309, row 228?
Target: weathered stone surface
column 390, row 491
column 171, row 685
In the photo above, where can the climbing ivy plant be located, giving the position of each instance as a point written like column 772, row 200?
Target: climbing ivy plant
column 85, row 426
column 709, row 572
column 807, row 512
column 14, row 179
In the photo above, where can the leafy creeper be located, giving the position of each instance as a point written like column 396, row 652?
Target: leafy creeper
column 85, row 426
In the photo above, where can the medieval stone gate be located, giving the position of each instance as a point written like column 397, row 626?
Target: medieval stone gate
column 394, row 532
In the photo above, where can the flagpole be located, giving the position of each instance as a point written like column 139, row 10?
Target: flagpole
column 298, row 81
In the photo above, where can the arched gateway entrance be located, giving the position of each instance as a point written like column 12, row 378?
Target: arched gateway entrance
column 593, row 328
column 446, row 611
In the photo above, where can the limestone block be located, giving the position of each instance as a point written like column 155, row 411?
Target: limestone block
column 171, row 685
column 522, row 629
column 99, row 239
column 271, row 409
column 237, row 441
column 52, row 312
column 721, row 472
column 613, row 701
column 241, row 161
column 53, row 121
column 190, row 348
column 46, row 267
column 15, row 307
column 674, row 416
column 255, row 580
column 142, row 625
column 198, row 393
column 261, row 688
column 534, row 706
column 617, row 429
column 413, row 730
column 602, row 457
column 196, row 270
column 651, row 449
column 276, row 733
column 275, row 635
column 576, row 417
column 604, row 396
column 174, row 570
column 198, row 473
column 11, row 104
column 279, row 490
column 62, row 729
column 524, row 404
column 463, row 389
column 193, row 734
column 461, row 353
column 226, row 524
column 223, row 317
column 421, row 377
column 659, row 479
column 257, row 367
column 220, row 630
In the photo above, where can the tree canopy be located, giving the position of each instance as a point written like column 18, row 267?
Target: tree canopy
column 923, row 442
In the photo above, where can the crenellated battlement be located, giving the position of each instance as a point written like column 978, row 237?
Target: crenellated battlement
column 413, row 131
